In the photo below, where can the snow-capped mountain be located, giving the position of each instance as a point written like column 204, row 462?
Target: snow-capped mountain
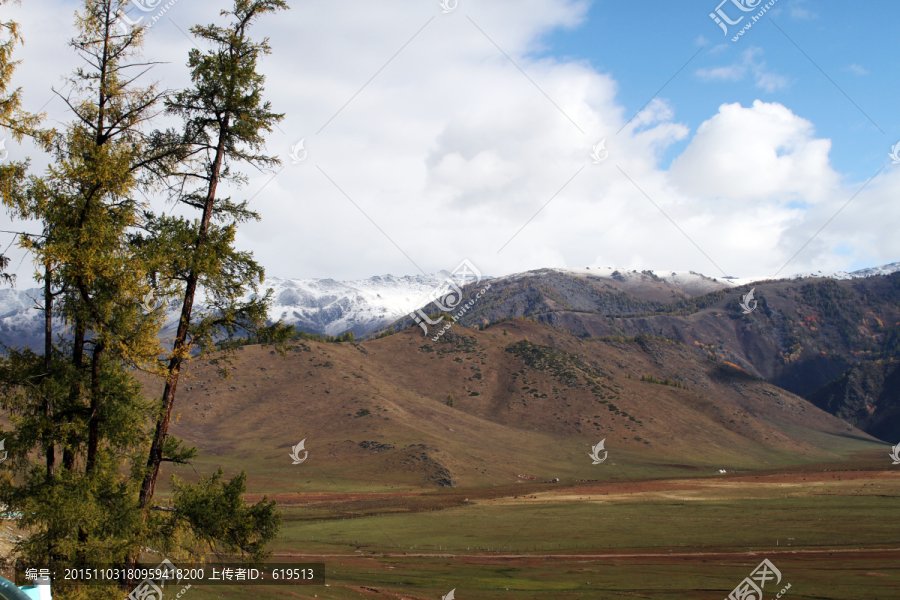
column 321, row 306
column 333, row 307
column 871, row 272
column 21, row 321
column 696, row 283
column 689, row 282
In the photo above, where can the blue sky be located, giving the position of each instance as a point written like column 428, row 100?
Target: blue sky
column 438, row 148
column 643, row 44
column 826, row 61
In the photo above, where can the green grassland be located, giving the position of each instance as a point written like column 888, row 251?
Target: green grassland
column 655, row 520
column 834, row 521
column 834, row 536
column 270, row 473
column 703, row 578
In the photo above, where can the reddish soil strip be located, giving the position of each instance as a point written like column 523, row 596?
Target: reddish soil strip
column 663, row 485
column 326, row 497
column 668, row 485
column 368, row 591
column 535, row 557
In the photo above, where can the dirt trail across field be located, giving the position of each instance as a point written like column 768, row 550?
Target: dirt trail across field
column 594, row 491
column 607, row 555
column 667, row 485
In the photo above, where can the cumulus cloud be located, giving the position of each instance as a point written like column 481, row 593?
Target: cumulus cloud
column 762, row 152
column 426, row 145
column 486, row 171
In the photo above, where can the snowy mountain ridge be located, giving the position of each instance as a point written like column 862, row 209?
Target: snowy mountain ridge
column 333, row 307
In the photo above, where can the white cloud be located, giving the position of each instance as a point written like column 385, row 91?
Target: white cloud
column 857, row 69
column 749, row 62
column 770, row 81
column 487, row 171
column 730, row 73
column 449, row 150
column 763, row 153
column 800, row 10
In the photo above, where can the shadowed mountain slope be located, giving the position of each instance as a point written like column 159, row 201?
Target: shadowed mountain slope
column 867, row 395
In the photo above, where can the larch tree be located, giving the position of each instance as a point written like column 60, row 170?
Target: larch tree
column 15, row 122
column 80, row 397
column 82, row 427
column 225, row 120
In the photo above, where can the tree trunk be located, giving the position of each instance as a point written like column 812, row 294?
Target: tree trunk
column 49, row 448
column 77, row 358
column 94, row 418
column 162, row 425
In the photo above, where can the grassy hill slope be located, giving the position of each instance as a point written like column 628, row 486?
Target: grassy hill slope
column 481, row 408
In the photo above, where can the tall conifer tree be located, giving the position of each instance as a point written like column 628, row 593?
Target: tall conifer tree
column 225, row 120
column 100, row 253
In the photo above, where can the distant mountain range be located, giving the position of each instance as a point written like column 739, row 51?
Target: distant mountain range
column 801, row 334
column 330, row 307
column 832, row 338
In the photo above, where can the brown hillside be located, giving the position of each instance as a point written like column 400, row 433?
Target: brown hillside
column 530, row 402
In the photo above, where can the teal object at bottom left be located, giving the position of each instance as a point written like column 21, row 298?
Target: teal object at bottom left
column 9, row 590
